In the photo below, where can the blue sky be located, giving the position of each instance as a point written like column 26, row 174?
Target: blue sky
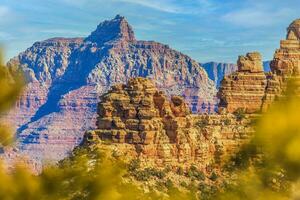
column 206, row 30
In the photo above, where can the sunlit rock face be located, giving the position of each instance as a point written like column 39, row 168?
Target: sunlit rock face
column 252, row 62
column 244, row 89
column 137, row 120
column 254, row 91
column 286, row 60
column 293, row 31
column 66, row 77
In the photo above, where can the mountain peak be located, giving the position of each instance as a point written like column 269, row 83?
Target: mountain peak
column 117, row 29
column 119, row 17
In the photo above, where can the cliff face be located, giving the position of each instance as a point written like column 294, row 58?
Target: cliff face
column 286, row 60
column 254, row 91
column 66, row 76
column 245, row 88
column 137, row 120
column 285, row 65
column 217, row 71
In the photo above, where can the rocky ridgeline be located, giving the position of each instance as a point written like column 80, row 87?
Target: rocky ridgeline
column 217, row 71
column 66, row 76
column 137, row 120
column 246, row 88
column 286, row 60
column 252, row 90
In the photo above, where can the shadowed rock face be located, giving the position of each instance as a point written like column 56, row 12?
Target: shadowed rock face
column 217, row 71
column 67, row 76
column 117, row 29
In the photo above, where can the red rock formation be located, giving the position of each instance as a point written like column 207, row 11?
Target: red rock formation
column 252, row 90
column 244, row 89
column 285, row 65
column 66, row 76
column 287, row 59
column 137, row 120
column 252, row 62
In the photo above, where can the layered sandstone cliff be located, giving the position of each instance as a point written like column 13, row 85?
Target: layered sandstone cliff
column 244, row 89
column 287, row 59
column 252, row 90
column 284, row 67
column 217, row 71
column 137, row 120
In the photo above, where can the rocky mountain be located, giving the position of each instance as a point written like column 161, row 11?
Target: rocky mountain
column 138, row 123
column 252, row 90
column 66, row 77
column 217, row 71
column 136, row 120
column 244, row 88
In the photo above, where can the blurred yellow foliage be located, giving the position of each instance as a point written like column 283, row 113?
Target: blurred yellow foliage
column 279, row 133
column 11, row 84
column 277, row 145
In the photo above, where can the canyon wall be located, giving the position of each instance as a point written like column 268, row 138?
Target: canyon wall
column 66, row 77
column 137, row 120
column 253, row 91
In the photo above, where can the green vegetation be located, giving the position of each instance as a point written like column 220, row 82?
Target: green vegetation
column 147, row 173
column 226, row 122
column 134, row 165
column 203, row 123
column 193, row 172
column 214, row 176
column 207, row 191
column 239, row 114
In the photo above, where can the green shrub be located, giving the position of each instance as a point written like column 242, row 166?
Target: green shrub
column 142, row 175
column 183, row 184
column 203, row 123
column 147, row 173
column 169, row 184
column 180, row 171
column 194, row 173
column 214, row 176
column 207, row 192
column 226, row 122
column 157, row 173
column 134, row 165
column 239, row 114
